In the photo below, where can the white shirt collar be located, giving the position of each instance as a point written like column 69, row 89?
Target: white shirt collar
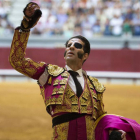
column 80, row 71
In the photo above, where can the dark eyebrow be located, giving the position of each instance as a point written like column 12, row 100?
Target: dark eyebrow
column 69, row 44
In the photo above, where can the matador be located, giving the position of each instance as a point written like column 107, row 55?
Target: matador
column 72, row 98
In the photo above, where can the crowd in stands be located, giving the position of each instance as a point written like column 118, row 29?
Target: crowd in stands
column 6, row 27
column 86, row 17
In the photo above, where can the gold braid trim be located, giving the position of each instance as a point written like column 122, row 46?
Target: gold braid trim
column 54, row 100
column 98, row 86
column 98, row 120
column 17, row 58
column 97, row 100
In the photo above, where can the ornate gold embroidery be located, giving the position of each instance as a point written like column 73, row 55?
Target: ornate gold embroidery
column 90, row 86
column 71, row 96
column 60, row 132
column 98, row 86
column 83, row 101
column 86, row 93
column 69, row 102
column 54, row 70
column 100, row 106
column 55, row 91
column 95, row 104
column 25, row 66
column 62, row 108
column 54, row 100
column 74, row 100
column 61, row 90
column 100, row 96
column 84, row 105
column 86, row 101
column 83, row 109
column 56, row 82
column 74, row 108
column 65, row 74
column 84, row 97
column 58, row 90
column 94, row 114
column 63, row 81
column 90, row 127
column 94, row 95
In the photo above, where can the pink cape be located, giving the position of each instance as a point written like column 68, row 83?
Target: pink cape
column 108, row 122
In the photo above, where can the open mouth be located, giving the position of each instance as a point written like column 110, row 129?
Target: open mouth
column 70, row 53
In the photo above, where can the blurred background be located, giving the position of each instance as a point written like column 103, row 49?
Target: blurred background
column 113, row 29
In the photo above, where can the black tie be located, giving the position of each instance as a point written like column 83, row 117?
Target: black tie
column 79, row 89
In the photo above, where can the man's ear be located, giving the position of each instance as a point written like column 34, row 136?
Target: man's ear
column 85, row 57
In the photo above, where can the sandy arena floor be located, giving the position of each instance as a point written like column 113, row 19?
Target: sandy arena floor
column 23, row 115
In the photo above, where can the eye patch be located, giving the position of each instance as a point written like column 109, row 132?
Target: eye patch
column 78, row 45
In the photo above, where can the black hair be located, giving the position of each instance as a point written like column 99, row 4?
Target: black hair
column 86, row 46
column 115, row 135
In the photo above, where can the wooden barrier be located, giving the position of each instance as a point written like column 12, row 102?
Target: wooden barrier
column 99, row 60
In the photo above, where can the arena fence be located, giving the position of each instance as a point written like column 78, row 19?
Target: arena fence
column 103, row 76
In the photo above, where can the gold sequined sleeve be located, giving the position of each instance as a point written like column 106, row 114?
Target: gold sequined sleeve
column 17, row 58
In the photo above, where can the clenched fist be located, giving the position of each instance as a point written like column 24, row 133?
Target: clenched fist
column 32, row 14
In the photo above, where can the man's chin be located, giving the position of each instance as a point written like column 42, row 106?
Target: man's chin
column 70, row 59
column 70, row 56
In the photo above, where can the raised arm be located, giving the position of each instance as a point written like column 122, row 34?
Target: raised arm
column 17, row 58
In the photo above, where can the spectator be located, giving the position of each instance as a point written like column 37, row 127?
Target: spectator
column 96, row 13
column 127, row 29
column 128, row 14
column 116, row 23
column 107, row 30
column 6, row 28
column 136, row 25
column 87, row 28
column 57, row 30
column 97, row 28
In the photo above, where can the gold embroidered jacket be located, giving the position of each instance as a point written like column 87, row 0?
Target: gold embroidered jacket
column 56, row 92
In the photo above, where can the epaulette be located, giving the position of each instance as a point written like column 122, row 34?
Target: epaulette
column 98, row 86
column 54, row 70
